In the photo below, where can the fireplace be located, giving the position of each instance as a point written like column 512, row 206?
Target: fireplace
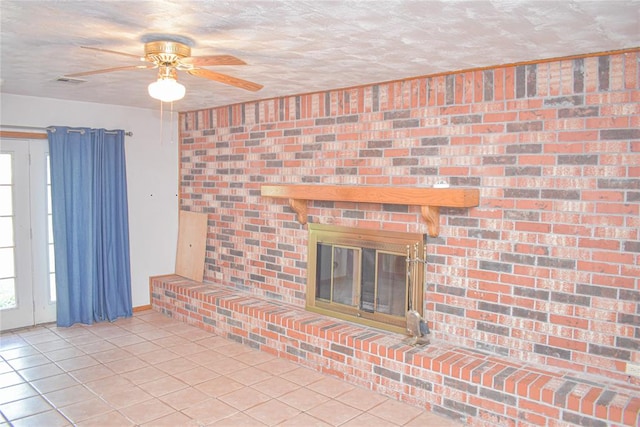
column 370, row 277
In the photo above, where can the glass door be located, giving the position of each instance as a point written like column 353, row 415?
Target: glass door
column 27, row 282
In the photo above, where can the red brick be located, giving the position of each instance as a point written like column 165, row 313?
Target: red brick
column 535, row 388
column 539, row 408
column 490, row 405
column 589, row 401
column 534, row 419
column 598, row 267
column 568, row 344
column 631, row 414
column 500, row 117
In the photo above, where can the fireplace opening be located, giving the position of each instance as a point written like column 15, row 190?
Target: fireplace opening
column 364, row 276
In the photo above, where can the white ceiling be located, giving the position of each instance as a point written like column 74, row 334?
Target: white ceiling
column 292, row 46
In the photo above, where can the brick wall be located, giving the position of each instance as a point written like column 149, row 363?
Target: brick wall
column 544, row 271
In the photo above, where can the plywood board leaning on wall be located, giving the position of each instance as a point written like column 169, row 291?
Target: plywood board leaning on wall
column 192, row 239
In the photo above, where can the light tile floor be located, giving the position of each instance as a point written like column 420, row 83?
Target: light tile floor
column 150, row 370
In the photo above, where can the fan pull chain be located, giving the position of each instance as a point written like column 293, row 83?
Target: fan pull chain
column 171, row 139
column 161, row 122
column 172, row 127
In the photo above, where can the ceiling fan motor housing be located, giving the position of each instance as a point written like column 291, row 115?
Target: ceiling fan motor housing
column 166, row 52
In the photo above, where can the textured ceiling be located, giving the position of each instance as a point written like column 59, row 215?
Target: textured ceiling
column 292, row 46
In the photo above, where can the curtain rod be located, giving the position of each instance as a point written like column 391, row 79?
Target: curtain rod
column 129, row 133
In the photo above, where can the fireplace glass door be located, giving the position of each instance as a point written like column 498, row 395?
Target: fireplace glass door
column 339, row 274
column 389, row 284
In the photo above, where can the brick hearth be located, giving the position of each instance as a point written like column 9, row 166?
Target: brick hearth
column 464, row 384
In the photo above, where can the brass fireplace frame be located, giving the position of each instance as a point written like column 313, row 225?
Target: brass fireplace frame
column 386, row 242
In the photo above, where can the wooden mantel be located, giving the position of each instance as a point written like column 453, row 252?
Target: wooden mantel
column 429, row 199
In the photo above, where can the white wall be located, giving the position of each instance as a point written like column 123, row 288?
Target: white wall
column 152, row 173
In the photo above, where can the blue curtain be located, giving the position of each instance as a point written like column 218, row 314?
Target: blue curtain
column 90, row 224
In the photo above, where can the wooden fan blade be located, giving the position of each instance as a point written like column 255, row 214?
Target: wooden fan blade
column 138, row 57
column 206, row 61
column 223, row 78
column 109, row 70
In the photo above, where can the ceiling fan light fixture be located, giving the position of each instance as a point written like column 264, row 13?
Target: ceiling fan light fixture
column 167, row 88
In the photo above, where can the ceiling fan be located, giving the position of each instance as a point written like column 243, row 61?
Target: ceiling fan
column 169, row 57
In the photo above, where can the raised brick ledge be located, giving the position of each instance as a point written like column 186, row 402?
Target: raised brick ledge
column 477, row 387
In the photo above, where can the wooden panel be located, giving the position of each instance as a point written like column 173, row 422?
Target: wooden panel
column 192, row 239
column 449, row 197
